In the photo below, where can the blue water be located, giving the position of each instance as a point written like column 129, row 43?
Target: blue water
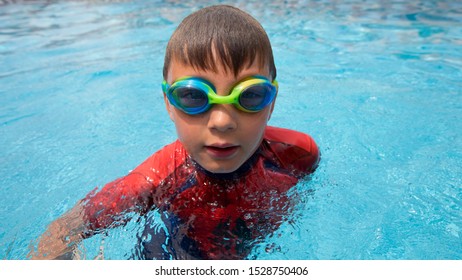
column 378, row 84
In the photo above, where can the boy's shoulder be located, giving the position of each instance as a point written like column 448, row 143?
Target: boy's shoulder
column 291, row 137
column 295, row 150
column 165, row 160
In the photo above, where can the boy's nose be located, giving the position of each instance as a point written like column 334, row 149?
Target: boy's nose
column 222, row 118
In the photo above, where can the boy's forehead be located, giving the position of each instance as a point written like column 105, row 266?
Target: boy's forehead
column 179, row 69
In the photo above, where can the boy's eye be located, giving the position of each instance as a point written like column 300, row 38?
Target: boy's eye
column 190, row 97
column 253, row 97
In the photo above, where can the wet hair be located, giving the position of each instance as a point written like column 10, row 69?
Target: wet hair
column 220, row 34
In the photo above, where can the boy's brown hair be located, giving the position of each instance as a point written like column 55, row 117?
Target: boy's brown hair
column 223, row 33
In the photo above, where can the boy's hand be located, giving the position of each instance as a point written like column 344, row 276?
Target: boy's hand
column 62, row 236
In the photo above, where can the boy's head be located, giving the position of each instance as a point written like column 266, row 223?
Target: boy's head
column 220, row 35
column 225, row 53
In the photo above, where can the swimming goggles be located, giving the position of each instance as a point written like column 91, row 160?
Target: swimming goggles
column 195, row 95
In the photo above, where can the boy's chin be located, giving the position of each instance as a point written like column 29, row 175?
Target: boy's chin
column 221, row 169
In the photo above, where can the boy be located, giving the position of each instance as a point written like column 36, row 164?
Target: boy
column 222, row 185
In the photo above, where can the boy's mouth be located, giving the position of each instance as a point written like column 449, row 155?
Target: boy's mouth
column 221, row 151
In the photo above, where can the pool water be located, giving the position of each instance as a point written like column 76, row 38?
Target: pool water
column 378, row 84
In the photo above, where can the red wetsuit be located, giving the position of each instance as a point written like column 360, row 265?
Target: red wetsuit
column 209, row 216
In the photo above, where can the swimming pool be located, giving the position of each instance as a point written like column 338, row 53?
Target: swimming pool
column 378, row 84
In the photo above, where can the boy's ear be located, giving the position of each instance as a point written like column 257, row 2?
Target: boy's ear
column 168, row 107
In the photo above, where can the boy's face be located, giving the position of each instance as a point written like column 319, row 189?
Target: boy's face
column 222, row 138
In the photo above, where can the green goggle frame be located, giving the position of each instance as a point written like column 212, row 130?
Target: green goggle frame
column 194, row 95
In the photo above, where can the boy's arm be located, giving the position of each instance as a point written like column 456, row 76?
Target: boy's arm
column 99, row 210
column 62, row 236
